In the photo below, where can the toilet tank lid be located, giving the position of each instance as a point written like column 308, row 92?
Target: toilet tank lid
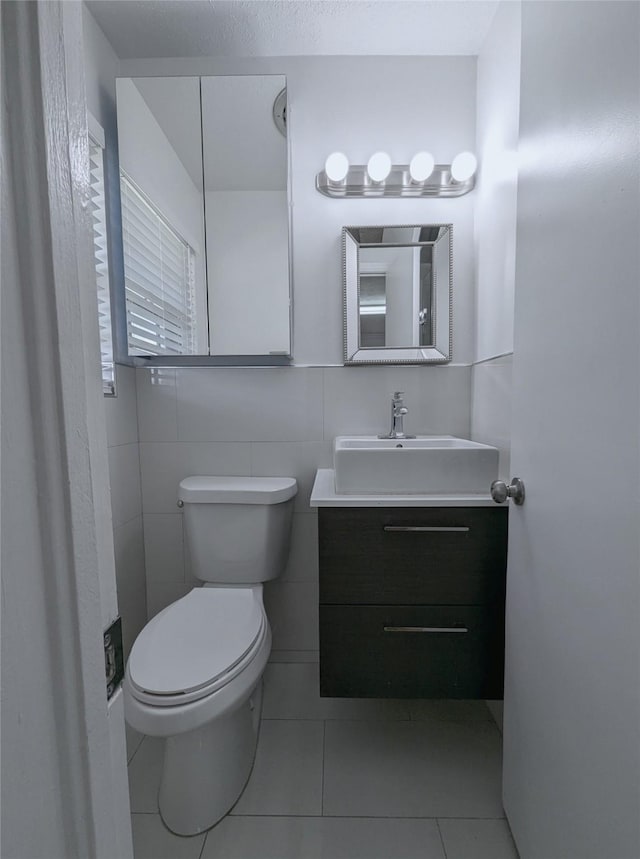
column 203, row 489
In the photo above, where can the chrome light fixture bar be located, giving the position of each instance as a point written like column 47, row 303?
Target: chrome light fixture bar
column 341, row 180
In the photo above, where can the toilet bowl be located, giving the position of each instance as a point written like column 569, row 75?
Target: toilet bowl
column 194, row 675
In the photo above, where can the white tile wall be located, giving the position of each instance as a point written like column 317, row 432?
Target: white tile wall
column 303, row 557
column 130, row 578
column 164, row 464
column 120, row 411
column 297, row 459
column 164, row 547
column 491, row 407
column 357, row 399
column 126, row 504
column 124, row 474
column 271, row 422
column 268, row 404
column 157, row 404
column 292, row 609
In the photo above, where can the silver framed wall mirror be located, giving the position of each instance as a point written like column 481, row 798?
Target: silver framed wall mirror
column 205, row 203
column 398, row 283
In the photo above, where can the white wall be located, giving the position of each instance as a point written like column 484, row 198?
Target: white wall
column 498, row 104
column 498, row 101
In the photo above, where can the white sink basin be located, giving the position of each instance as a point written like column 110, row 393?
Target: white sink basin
column 427, row 465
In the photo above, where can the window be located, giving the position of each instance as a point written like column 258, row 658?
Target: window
column 159, row 278
column 100, row 254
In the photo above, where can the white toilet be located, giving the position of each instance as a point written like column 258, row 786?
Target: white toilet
column 194, row 675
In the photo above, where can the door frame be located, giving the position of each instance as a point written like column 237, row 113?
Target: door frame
column 45, row 157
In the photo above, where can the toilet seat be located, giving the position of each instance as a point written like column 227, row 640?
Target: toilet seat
column 196, row 645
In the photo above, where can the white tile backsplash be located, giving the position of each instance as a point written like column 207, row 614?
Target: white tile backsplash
column 271, row 422
column 357, row 400
column 130, row 578
column 491, row 407
column 292, row 459
column 124, row 475
column 444, row 401
column 162, row 594
column 120, row 411
column 157, row 404
column 303, row 556
column 164, row 547
column 165, row 464
column 292, row 609
column 266, row 404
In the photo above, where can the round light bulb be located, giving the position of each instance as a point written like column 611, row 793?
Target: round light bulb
column 379, row 166
column 336, row 167
column 463, row 167
column 421, row 166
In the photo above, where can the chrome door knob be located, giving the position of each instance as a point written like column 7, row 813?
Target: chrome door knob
column 500, row 491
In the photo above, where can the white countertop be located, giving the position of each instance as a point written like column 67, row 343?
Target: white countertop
column 324, row 495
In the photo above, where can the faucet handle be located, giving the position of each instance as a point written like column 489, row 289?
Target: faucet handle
column 398, row 395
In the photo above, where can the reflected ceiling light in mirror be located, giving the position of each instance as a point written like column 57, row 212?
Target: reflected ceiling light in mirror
column 379, row 166
column 336, row 167
column 463, row 166
column 421, row 167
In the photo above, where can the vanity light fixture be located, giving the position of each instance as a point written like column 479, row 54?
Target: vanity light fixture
column 378, row 167
column 422, row 177
column 421, row 167
column 336, row 167
column 463, row 167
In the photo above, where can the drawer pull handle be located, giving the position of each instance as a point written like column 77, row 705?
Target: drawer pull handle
column 462, row 530
column 426, row 629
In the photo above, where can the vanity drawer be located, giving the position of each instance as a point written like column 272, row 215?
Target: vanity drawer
column 411, row 651
column 405, row 555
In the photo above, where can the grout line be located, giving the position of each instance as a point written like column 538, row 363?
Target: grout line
column 204, row 843
column 444, row 849
column 129, row 521
column 322, row 404
column 235, row 814
column 137, row 750
column 403, row 721
column 324, row 737
column 492, row 358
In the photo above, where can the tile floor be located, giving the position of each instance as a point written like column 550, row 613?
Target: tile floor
column 347, row 779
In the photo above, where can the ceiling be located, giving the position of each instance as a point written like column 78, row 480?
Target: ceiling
column 264, row 28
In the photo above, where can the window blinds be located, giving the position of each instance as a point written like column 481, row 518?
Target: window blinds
column 100, row 254
column 159, row 278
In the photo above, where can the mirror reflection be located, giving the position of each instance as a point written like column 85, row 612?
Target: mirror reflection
column 205, row 216
column 247, row 215
column 397, row 293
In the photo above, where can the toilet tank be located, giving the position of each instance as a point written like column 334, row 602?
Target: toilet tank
column 237, row 529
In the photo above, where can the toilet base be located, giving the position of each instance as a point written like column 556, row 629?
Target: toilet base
column 206, row 770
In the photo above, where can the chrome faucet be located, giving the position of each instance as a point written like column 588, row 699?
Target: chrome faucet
column 398, row 411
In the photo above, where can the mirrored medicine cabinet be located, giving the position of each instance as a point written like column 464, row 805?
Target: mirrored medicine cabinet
column 205, row 218
column 397, row 294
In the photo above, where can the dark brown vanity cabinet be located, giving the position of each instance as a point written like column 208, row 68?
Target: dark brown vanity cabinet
column 412, row 601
